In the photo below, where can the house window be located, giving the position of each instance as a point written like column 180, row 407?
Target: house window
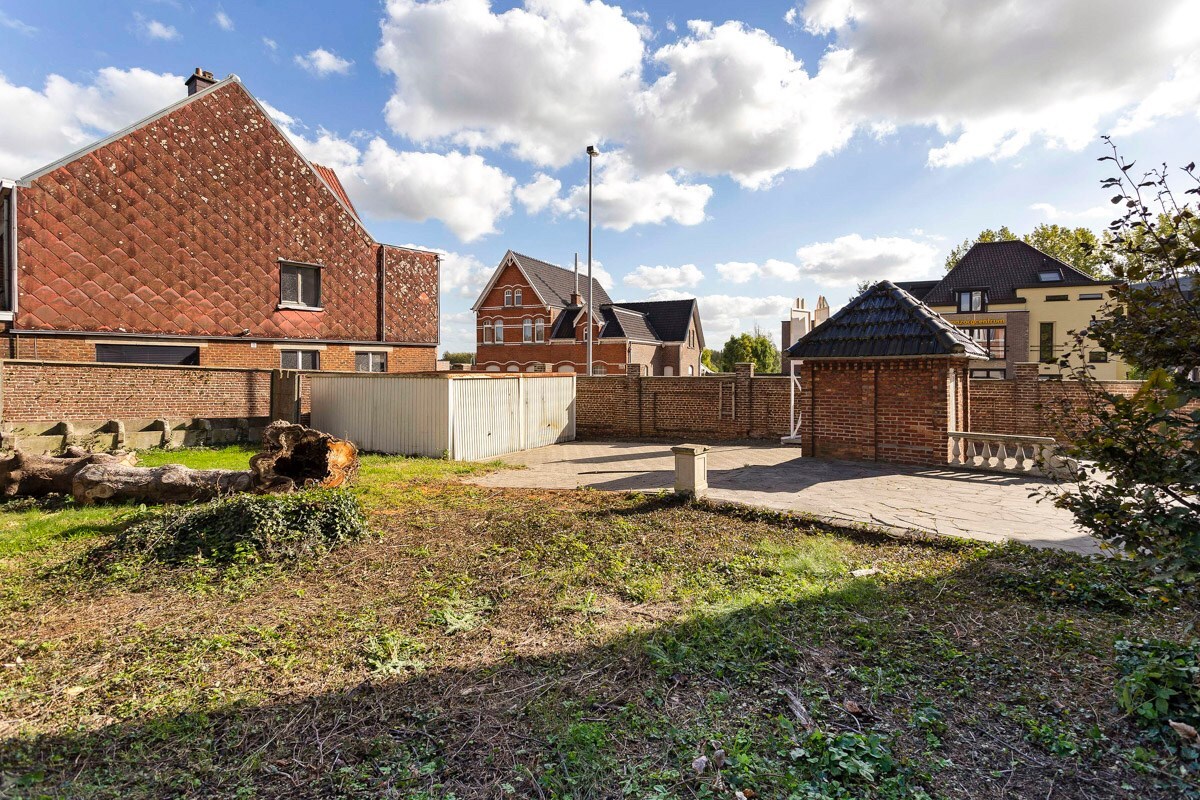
column 1046, row 343
column 299, row 286
column 972, row 300
column 691, row 371
column 148, row 354
column 299, row 359
column 517, row 298
column 1050, row 275
column 987, row 374
column 508, row 297
column 1057, row 298
column 487, row 333
column 990, row 339
column 539, row 330
column 370, row 362
column 527, row 331
column 599, row 369
column 499, row 332
column 1091, row 296
column 1098, row 356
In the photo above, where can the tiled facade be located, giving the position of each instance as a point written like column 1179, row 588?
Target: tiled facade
column 177, row 229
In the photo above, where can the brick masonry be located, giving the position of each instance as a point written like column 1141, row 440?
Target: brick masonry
column 177, row 228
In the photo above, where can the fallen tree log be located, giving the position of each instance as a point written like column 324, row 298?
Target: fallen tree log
column 26, row 475
column 293, row 457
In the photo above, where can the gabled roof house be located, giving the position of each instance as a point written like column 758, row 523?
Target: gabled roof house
column 532, row 316
column 201, row 235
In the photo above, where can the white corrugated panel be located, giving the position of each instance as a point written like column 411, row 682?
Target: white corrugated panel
column 548, row 405
column 406, row 415
column 486, row 417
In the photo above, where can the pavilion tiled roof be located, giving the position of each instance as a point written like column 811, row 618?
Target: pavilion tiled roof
column 885, row 321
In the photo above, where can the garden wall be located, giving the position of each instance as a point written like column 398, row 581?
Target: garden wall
column 47, row 405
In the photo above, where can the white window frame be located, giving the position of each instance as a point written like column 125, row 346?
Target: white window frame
column 498, row 325
column 527, row 331
column 488, row 334
column 372, row 356
column 508, row 297
column 300, row 304
column 518, row 296
column 539, row 330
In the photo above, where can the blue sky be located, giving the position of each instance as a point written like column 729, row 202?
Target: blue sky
column 752, row 152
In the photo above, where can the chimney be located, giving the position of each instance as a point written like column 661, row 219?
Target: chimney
column 201, row 79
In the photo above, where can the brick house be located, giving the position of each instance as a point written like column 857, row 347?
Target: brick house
column 884, row 379
column 533, row 316
column 201, row 236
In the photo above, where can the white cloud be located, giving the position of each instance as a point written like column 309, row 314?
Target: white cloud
column 12, row 23
column 546, row 79
column 462, row 274
column 153, row 29
column 39, row 126
column 990, row 79
column 323, row 63
column 746, row 271
column 386, row 183
column 660, row 277
column 849, row 259
column 622, row 197
column 539, row 193
column 995, row 78
column 270, row 43
column 223, row 20
column 458, row 332
column 1088, row 216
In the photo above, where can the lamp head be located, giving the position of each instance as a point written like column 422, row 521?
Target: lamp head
column 592, row 151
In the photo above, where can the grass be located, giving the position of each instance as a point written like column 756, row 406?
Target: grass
column 503, row 643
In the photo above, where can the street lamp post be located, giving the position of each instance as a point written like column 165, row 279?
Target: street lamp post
column 592, row 153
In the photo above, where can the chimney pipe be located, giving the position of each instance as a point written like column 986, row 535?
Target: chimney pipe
column 576, row 298
column 198, row 81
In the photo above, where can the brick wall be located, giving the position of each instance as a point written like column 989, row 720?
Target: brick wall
column 35, row 391
column 1026, row 406
column 897, row 411
column 224, row 353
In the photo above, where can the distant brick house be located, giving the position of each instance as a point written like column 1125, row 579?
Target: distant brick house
column 200, row 235
column 532, row 316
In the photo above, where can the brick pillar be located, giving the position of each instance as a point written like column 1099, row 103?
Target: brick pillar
column 285, row 395
column 633, row 383
column 743, row 371
column 1027, row 400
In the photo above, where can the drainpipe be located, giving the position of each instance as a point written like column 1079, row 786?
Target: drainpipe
column 382, row 269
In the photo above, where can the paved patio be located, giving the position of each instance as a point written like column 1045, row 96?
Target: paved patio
column 974, row 505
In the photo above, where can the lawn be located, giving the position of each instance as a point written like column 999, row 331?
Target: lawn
column 500, row 643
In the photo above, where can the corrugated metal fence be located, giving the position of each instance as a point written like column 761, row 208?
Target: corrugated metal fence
column 463, row 417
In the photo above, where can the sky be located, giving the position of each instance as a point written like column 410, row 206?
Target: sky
column 751, row 153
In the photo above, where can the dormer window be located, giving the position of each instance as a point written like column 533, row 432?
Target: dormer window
column 1050, row 275
column 508, row 297
column 517, row 298
column 972, row 300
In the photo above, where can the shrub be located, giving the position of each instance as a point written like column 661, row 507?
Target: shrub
column 1159, row 682
column 247, row 529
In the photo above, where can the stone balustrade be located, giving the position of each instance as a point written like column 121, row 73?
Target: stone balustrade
column 1000, row 452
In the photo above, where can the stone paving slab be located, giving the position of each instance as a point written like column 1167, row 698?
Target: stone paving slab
column 974, row 505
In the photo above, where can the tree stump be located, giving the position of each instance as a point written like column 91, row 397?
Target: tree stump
column 293, row 457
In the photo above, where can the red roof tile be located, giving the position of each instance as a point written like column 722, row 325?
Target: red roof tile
column 331, row 180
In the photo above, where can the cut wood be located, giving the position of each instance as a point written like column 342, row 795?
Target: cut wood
column 293, row 457
column 26, row 475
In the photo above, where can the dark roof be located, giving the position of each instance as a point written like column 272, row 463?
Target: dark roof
column 555, row 284
column 669, row 318
column 658, row 321
column 918, row 289
column 885, row 320
column 1002, row 268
